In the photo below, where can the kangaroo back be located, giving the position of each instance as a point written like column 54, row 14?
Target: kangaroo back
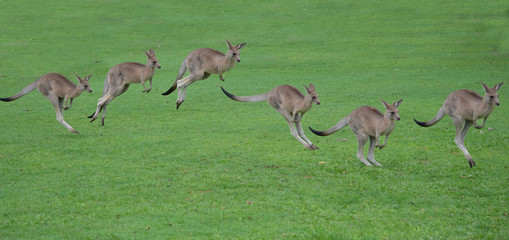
column 255, row 98
column 21, row 93
column 341, row 124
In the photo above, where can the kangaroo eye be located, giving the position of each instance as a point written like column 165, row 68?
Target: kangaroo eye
column 234, row 54
column 492, row 97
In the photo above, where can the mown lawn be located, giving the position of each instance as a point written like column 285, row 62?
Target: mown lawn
column 220, row 169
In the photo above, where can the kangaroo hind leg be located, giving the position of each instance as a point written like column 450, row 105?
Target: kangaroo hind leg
column 462, row 127
column 57, row 103
column 301, row 134
column 362, row 139
column 290, row 120
column 105, row 101
column 182, row 84
column 371, row 151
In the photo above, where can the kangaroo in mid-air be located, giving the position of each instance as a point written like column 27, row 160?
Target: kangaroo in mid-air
column 120, row 76
column 368, row 122
column 57, row 89
column 465, row 107
column 291, row 103
column 201, row 63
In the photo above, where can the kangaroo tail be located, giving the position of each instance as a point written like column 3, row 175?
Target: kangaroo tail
column 182, row 70
column 341, row 124
column 438, row 117
column 255, row 98
column 21, row 93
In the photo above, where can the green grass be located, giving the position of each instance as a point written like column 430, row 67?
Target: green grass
column 219, row 169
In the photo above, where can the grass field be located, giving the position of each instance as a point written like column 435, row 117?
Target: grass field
column 220, row 169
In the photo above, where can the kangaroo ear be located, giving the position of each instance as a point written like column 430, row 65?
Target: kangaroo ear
column 386, row 105
column 397, row 103
column 78, row 77
column 486, row 88
column 497, row 87
column 311, row 86
column 229, row 44
column 241, row 45
column 307, row 89
column 88, row 77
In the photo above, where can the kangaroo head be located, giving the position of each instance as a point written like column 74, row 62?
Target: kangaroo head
column 83, row 83
column 312, row 96
column 391, row 111
column 233, row 51
column 491, row 95
column 152, row 60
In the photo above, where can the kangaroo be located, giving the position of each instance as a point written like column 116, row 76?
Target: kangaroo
column 465, row 107
column 291, row 103
column 368, row 122
column 120, row 76
column 201, row 63
column 57, row 89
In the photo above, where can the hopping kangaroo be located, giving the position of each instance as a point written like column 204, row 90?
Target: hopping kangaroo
column 201, row 63
column 465, row 107
column 291, row 103
column 368, row 122
column 120, row 76
column 57, row 89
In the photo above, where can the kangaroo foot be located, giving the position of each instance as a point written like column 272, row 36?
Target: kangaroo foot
column 311, row 147
column 366, row 162
column 178, row 104
column 221, row 77
column 375, row 162
column 471, row 162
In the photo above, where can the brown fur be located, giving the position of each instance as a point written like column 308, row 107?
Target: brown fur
column 201, row 63
column 368, row 122
column 120, row 76
column 465, row 107
column 57, row 89
column 291, row 103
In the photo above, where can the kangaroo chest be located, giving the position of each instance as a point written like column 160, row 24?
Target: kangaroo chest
column 225, row 67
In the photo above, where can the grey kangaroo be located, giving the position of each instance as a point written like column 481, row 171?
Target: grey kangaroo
column 201, row 63
column 120, row 76
column 291, row 103
column 368, row 122
column 465, row 107
column 57, row 89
